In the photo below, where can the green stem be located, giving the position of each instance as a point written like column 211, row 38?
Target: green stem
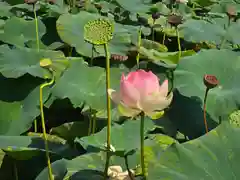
column 70, row 51
column 44, row 128
column 127, row 166
column 164, row 37
column 139, row 45
column 172, row 78
column 15, row 170
column 38, row 48
column 74, row 3
column 204, row 110
column 152, row 33
column 193, row 10
column 36, row 27
column 142, row 145
column 91, row 62
column 179, row 44
column 108, row 109
column 90, row 125
column 225, row 37
column 86, row 2
column 94, row 123
column 35, row 125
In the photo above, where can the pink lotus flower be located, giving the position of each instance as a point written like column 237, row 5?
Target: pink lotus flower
column 140, row 91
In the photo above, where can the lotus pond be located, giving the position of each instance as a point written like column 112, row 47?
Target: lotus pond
column 119, row 89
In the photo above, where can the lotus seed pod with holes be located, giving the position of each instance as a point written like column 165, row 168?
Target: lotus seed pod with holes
column 46, row 62
column 210, row 81
column 98, row 31
column 234, row 118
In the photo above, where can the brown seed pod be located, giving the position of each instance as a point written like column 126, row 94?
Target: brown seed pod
column 175, row 20
column 118, row 57
column 210, row 81
column 30, row 1
column 231, row 11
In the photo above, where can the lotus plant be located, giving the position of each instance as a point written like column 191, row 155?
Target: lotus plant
column 100, row 32
column 210, row 81
column 141, row 94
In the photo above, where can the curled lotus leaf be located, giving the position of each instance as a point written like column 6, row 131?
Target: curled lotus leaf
column 98, row 31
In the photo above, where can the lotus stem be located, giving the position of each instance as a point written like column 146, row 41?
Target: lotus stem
column 108, row 109
column 38, row 48
column 44, row 128
column 35, row 125
column 179, row 44
column 204, row 110
column 90, row 126
column 15, row 170
column 91, row 62
column 36, row 27
column 142, row 144
column 171, row 77
column 225, row 37
column 127, row 166
column 164, row 37
column 94, row 123
column 152, row 38
column 139, row 45
column 152, row 29
column 70, row 51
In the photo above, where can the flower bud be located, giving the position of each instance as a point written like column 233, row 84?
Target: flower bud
column 174, row 20
column 155, row 15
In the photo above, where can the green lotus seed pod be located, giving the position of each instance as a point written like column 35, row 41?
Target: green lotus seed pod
column 234, row 118
column 46, row 62
column 98, row 31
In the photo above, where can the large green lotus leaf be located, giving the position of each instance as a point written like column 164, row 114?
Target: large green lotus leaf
column 195, row 31
column 222, row 5
column 85, row 167
column 83, row 84
column 205, row 3
column 24, row 32
column 233, row 32
column 148, row 44
column 166, row 59
column 5, row 9
column 225, row 65
column 124, row 138
column 71, row 29
column 135, row 6
column 25, row 147
column 19, row 61
column 70, row 131
column 212, row 156
column 19, row 104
